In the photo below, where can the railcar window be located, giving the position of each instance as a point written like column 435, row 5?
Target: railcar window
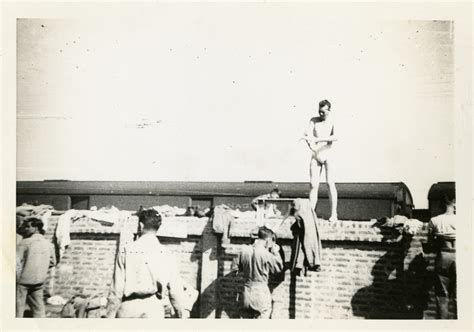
column 80, row 202
column 202, row 203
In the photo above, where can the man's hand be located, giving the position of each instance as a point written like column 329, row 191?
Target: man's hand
column 186, row 314
column 311, row 141
column 308, row 138
column 275, row 249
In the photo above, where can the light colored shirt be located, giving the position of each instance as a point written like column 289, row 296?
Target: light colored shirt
column 34, row 256
column 145, row 268
column 443, row 225
column 257, row 263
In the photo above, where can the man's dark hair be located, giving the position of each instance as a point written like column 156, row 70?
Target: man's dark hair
column 35, row 222
column 449, row 199
column 265, row 233
column 151, row 219
column 323, row 103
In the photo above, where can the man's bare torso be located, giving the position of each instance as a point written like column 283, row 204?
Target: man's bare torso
column 322, row 128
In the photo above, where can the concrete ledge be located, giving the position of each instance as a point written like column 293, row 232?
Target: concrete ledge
column 341, row 230
column 173, row 227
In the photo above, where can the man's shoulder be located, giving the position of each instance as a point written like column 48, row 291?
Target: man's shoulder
column 315, row 119
column 434, row 219
column 247, row 249
column 262, row 252
column 23, row 244
column 36, row 241
column 146, row 244
column 45, row 242
column 442, row 221
column 442, row 218
column 35, row 238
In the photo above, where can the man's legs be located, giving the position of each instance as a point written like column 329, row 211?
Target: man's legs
column 21, row 293
column 315, row 170
column 150, row 307
column 36, row 301
column 445, row 277
column 332, row 191
column 248, row 313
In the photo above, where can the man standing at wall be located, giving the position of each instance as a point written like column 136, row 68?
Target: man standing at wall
column 320, row 137
column 143, row 272
column 34, row 256
column 256, row 263
column 442, row 234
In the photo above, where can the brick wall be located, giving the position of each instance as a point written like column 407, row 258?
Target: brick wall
column 88, row 263
column 364, row 274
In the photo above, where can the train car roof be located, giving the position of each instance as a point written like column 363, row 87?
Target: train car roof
column 391, row 190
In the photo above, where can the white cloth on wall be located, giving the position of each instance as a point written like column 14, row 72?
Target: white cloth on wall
column 45, row 219
column 63, row 230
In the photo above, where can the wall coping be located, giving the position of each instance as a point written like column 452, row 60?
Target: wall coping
column 174, row 227
column 183, row 227
column 341, row 230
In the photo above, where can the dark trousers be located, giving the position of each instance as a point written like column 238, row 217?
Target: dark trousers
column 31, row 295
column 445, row 281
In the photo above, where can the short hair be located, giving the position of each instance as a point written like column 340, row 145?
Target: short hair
column 276, row 190
column 35, row 222
column 323, row 103
column 151, row 219
column 449, row 199
column 265, row 233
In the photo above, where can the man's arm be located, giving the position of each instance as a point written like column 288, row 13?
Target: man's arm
column 118, row 285
column 431, row 238
column 275, row 261
column 309, row 137
column 52, row 256
column 236, row 267
column 20, row 259
column 331, row 138
column 176, row 290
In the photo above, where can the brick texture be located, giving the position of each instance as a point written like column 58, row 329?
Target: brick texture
column 367, row 273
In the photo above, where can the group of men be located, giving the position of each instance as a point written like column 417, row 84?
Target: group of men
column 145, row 273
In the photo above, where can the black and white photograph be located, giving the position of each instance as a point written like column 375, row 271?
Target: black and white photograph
column 241, row 160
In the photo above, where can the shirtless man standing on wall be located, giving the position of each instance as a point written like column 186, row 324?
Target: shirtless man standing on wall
column 320, row 137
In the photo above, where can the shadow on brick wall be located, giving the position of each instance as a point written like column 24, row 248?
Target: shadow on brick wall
column 227, row 288
column 398, row 291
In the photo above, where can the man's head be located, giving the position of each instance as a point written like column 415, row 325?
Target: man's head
column 267, row 235
column 324, row 108
column 149, row 221
column 31, row 226
column 449, row 201
column 275, row 193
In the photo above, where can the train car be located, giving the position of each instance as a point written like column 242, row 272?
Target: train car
column 357, row 201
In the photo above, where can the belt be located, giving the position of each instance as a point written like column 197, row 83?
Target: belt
column 256, row 283
column 137, row 296
column 453, row 250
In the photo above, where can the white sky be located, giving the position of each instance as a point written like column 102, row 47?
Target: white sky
column 233, row 89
